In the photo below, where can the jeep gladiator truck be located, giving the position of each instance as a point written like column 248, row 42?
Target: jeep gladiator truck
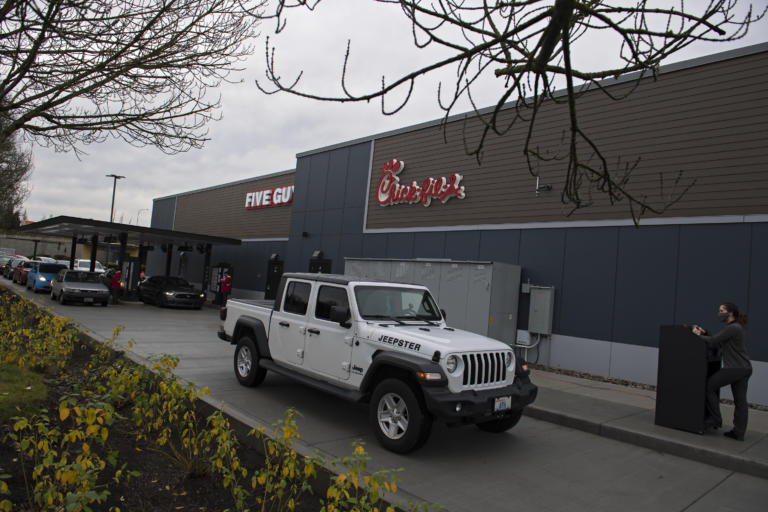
column 383, row 343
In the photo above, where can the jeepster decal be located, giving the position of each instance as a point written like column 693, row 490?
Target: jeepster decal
column 398, row 342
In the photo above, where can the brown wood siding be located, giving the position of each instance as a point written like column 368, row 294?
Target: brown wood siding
column 221, row 211
column 710, row 122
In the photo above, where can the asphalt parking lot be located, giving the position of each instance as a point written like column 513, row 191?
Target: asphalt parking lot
column 538, row 465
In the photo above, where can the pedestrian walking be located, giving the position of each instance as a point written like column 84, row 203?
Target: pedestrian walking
column 115, row 286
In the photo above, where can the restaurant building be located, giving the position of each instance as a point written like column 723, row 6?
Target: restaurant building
column 414, row 193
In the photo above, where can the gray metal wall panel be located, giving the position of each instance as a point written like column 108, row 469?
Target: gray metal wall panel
column 333, row 219
column 301, row 192
column 758, row 295
column 374, row 246
column 589, row 278
column 336, row 180
column 429, row 245
column 645, row 283
column 162, row 213
column 399, row 245
column 462, row 245
column 352, row 221
column 330, row 245
column 712, row 269
column 313, row 223
column 297, row 224
column 318, row 181
column 479, row 298
column 351, row 246
column 541, row 256
column 357, row 176
column 634, row 363
column 500, row 245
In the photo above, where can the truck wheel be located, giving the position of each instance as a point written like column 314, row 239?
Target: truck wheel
column 502, row 424
column 399, row 420
column 247, row 368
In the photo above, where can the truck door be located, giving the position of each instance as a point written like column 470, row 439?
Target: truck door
column 328, row 344
column 289, row 324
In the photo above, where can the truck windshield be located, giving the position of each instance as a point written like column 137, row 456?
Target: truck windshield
column 381, row 302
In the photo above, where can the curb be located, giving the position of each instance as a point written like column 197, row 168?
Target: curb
column 731, row 462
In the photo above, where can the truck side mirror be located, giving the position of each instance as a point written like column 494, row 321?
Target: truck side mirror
column 340, row 315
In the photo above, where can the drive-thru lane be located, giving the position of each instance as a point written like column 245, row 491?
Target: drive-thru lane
column 537, row 465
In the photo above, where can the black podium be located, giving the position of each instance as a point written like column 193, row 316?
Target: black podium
column 685, row 363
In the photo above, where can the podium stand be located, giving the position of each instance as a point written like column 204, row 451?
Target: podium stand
column 685, row 363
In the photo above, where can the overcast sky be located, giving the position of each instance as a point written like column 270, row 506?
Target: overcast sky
column 261, row 134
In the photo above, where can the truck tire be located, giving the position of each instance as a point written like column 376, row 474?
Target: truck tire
column 502, row 424
column 247, row 368
column 398, row 418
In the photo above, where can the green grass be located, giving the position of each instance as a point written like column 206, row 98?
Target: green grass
column 22, row 392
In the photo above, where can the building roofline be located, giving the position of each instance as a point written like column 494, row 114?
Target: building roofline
column 228, row 184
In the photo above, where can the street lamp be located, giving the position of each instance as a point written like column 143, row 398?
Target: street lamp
column 114, row 177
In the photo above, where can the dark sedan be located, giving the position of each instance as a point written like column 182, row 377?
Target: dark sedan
column 170, row 291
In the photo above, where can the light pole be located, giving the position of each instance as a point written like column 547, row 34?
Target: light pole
column 114, row 177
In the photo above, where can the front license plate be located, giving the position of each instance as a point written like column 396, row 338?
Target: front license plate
column 503, row 403
column 87, row 299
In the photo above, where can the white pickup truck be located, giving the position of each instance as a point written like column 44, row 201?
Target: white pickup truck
column 382, row 343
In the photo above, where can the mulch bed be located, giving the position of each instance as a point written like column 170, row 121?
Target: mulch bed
column 161, row 485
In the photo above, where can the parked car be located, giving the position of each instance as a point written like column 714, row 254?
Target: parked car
column 86, row 265
column 170, row 291
column 5, row 259
column 12, row 263
column 21, row 270
column 46, row 259
column 41, row 275
column 79, row 286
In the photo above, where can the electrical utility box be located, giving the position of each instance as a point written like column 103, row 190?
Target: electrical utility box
column 477, row 296
column 541, row 309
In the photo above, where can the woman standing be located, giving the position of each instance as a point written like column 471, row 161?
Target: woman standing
column 736, row 370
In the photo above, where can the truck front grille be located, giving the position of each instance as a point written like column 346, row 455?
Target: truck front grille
column 484, row 368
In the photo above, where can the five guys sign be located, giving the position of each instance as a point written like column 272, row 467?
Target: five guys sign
column 278, row 196
column 389, row 190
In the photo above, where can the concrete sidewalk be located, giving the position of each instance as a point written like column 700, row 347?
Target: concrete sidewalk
column 626, row 414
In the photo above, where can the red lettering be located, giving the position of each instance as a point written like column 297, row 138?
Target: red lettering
column 389, row 191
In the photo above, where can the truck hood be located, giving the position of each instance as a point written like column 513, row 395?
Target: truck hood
column 426, row 339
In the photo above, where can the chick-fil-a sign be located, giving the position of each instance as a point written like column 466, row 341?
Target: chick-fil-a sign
column 278, row 196
column 389, row 190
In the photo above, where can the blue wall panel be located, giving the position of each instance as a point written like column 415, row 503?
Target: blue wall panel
column 589, row 279
column 351, row 247
column 462, row 245
column 757, row 308
column 336, row 185
column 400, row 245
column 163, row 212
column 429, row 245
column 645, row 283
column 318, row 181
column 541, row 256
column 301, row 185
column 374, row 245
column 352, row 221
column 713, row 268
column 357, row 175
column 332, row 221
column 500, row 245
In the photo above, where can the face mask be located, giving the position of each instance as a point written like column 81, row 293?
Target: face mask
column 723, row 316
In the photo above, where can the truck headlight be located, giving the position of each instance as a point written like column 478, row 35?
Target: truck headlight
column 451, row 363
column 41, row 278
column 169, row 294
column 508, row 359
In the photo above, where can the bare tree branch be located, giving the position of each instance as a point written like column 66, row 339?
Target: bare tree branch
column 528, row 44
column 74, row 72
